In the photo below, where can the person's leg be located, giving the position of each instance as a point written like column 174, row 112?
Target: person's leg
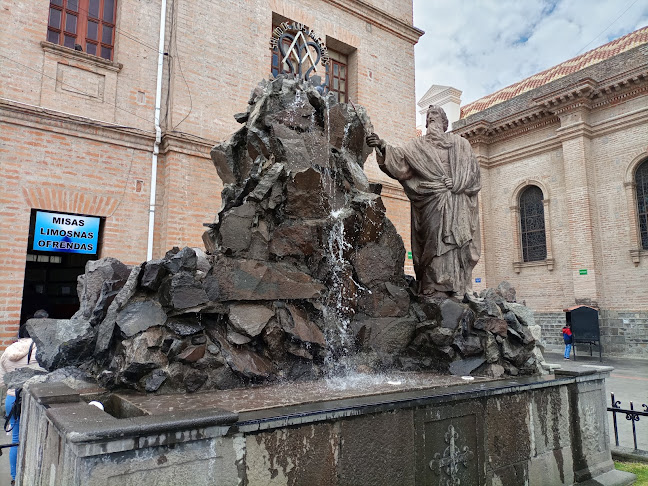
column 567, row 350
column 13, row 451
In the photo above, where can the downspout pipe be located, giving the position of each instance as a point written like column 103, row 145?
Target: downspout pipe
column 158, row 132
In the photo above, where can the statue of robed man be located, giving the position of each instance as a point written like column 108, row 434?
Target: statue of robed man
column 440, row 176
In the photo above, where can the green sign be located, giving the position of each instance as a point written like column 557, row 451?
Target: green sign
column 409, row 255
column 582, row 271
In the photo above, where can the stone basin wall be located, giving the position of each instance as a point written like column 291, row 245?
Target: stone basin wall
column 538, row 431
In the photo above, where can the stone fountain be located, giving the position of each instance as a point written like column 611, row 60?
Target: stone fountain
column 316, row 359
column 302, row 277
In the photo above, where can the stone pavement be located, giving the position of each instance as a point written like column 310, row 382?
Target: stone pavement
column 628, row 382
column 5, row 477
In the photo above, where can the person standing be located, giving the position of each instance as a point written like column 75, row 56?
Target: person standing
column 17, row 355
column 440, row 175
column 567, row 337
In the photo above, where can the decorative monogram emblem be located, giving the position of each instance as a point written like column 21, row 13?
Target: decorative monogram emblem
column 304, row 51
column 452, row 457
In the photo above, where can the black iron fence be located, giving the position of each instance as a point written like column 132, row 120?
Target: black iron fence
column 8, row 445
column 631, row 415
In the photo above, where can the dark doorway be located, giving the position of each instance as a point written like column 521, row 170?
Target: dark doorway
column 51, row 276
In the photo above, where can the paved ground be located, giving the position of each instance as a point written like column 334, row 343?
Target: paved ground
column 628, row 381
column 5, row 476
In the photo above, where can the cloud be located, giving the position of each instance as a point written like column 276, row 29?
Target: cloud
column 481, row 46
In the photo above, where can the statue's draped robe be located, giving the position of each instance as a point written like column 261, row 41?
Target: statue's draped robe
column 445, row 223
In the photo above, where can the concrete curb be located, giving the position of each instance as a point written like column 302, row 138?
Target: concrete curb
column 629, row 455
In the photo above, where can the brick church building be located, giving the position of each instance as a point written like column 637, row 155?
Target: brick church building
column 564, row 203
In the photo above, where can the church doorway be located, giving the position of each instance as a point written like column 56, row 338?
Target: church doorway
column 59, row 246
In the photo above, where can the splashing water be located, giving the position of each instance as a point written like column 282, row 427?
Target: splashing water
column 337, row 310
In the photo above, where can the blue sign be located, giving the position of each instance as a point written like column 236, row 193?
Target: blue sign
column 478, row 280
column 66, row 233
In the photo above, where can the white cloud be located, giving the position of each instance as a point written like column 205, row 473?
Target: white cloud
column 481, row 46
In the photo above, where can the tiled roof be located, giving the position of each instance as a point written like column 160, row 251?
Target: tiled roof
column 594, row 56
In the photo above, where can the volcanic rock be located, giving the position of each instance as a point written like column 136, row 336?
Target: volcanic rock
column 138, row 316
column 91, row 283
column 250, row 280
column 464, row 367
column 296, row 323
column 389, row 335
column 105, row 330
column 506, row 291
column 496, row 326
column 183, row 326
column 451, row 313
column 154, row 381
column 152, row 275
column 249, row 319
column 182, row 291
column 523, row 313
column 61, row 342
column 184, row 260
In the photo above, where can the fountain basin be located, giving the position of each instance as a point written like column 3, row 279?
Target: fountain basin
column 425, row 430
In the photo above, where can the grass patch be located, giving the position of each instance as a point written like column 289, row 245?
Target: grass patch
column 638, row 468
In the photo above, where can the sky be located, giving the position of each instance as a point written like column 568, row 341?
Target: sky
column 481, row 46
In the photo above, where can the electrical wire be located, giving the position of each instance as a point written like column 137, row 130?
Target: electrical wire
column 123, row 194
column 192, row 135
column 74, row 87
column 605, row 30
column 163, row 121
column 177, row 58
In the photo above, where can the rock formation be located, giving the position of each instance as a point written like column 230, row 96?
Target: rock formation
column 303, row 276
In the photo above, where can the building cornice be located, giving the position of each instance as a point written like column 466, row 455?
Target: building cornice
column 186, row 144
column 23, row 114
column 491, row 132
column 585, row 94
column 379, row 18
column 572, row 96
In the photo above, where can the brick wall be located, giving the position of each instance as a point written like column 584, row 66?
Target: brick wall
column 44, row 169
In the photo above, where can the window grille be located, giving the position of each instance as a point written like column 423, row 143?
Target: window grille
column 532, row 225
column 84, row 25
column 641, row 184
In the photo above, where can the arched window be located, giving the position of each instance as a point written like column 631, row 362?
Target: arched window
column 641, row 184
column 532, row 225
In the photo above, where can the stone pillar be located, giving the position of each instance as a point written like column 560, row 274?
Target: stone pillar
column 590, row 437
column 575, row 133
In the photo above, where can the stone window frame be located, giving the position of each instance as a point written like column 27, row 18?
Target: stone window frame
column 83, row 14
column 514, row 207
column 637, row 252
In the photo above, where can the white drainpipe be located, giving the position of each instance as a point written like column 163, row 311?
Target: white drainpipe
column 158, row 132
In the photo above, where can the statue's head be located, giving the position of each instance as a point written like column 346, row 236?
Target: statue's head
column 436, row 114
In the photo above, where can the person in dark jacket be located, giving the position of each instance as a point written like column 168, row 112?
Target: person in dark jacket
column 567, row 337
